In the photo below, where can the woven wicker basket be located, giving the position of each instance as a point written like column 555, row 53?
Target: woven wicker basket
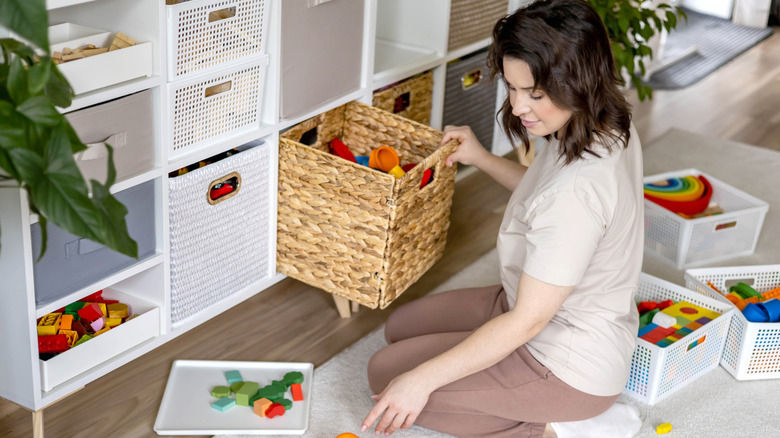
column 353, row 231
column 472, row 21
column 411, row 98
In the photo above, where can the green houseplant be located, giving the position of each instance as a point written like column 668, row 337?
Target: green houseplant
column 630, row 25
column 37, row 143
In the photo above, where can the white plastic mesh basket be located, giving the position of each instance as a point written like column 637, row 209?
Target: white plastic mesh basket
column 657, row 372
column 208, row 34
column 217, row 250
column 695, row 242
column 209, row 108
column 752, row 349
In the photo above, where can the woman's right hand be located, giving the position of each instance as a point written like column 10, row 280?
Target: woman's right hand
column 469, row 151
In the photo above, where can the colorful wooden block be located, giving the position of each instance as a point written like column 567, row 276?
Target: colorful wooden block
column 261, row 405
column 293, row 377
column 220, row 392
column 103, row 330
column 646, row 329
column 297, row 392
column 275, row 410
column 287, row 403
column 233, row 376
column 647, row 317
column 86, row 337
column 223, row 404
column 49, row 324
column 646, row 306
column 98, row 324
column 117, row 310
column 72, row 336
column 66, row 322
column 248, row 390
column 235, row 386
column 90, row 312
column 52, row 343
column 272, row 392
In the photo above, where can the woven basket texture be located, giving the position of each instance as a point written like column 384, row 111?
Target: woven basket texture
column 217, row 250
column 472, row 21
column 353, row 231
column 420, row 90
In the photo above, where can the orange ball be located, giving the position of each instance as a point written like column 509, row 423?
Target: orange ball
column 347, row 435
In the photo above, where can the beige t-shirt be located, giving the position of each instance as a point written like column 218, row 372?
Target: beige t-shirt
column 581, row 225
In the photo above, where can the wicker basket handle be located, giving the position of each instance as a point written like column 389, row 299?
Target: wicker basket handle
column 224, row 188
column 436, row 161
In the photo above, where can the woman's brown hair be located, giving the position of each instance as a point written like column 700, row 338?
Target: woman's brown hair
column 566, row 46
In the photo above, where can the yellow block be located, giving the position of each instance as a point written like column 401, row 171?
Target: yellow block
column 663, row 428
column 49, row 324
column 112, row 322
column 675, row 310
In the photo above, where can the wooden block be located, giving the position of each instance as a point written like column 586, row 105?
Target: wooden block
column 287, row 403
column 293, row 377
column 261, row 405
column 117, row 310
column 93, row 52
column 272, row 392
column 247, row 391
column 66, row 51
column 113, row 322
column 223, row 404
column 72, row 336
column 297, row 392
column 103, row 330
column 66, row 321
column 220, row 392
column 275, row 410
column 120, row 42
column 233, row 376
column 49, row 324
column 236, row 386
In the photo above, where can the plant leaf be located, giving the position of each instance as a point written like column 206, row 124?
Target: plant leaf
column 40, row 111
column 28, row 18
column 114, row 227
column 39, row 75
column 58, row 89
column 17, row 82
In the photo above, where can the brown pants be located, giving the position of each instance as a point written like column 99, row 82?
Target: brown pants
column 514, row 398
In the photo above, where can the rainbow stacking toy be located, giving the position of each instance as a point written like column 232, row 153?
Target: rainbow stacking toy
column 688, row 195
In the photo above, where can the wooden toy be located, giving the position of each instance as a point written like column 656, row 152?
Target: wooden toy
column 397, row 172
column 287, row 403
column 120, row 42
column 340, row 149
column 689, row 311
column 90, row 312
column 745, row 291
column 664, row 320
column 663, row 428
column 275, row 410
column 427, row 177
column 103, row 330
column 66, row 321
column 692, row 198
column 72, row 336
column 261, row 405
column 52, row 343
column 248, row 390
column 647, row 317
column 220, row 392
column 293, row 377
column 297, row 393
column 49, row 324
column 383, row 158
column 646, row 306
column 117, row 310
column 84, row 338
column 113, row 322
column 223, row 404
column 272, row 392
column 236, row 386
column 98, row 324
column 664, row 304
column 233, row 376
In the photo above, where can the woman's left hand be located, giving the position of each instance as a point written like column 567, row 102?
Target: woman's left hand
column 401, row 402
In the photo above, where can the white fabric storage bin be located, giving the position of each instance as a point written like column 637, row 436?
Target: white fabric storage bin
column 217, row 249
column 752, row 349
column 72, row 263
column 696, row 242
column 753, row 13
column 127, row 124
column 105, row 69
column 208, row 34
column 658, row 372
column 212, row 107
column 322, row 52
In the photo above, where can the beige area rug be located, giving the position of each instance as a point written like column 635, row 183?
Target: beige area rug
column 713, row 405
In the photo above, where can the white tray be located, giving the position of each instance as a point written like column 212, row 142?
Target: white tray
column 186, row 404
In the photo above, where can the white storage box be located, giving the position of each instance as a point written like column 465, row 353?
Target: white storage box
column 752, row 349
column 106, row 346
column 695, row 242
column 127, row 124
column 220, row 247
column 208, row 34
column 658, row 372
column 101, row 70
column 209, row 108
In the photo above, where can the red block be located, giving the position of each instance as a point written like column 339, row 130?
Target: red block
column 297, row 392
column 275, row 410
column 664, row 304
column 52, row 343
column 646, row 306
column 90, row 312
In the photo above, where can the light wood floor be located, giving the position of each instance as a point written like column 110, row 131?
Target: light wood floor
column 293, row 322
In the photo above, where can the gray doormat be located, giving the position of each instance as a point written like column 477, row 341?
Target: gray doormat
column 718, row 41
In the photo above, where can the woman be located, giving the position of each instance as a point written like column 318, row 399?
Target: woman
column 553, row 342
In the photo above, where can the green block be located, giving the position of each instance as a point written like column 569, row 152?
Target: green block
column 83, row 339
column 247, row 391
column 234, row 387
column 272, row 392
column 223, row 404
column 220, row 392
column 647, row 318
column 293, row 377
column 74, row 307
column 288, row 404
column 682, row 321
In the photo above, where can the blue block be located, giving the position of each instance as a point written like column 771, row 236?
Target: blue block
column 223, row 404
column 233, row 377
column 646, row 329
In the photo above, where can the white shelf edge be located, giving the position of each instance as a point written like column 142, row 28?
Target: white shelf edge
column 105, row 94
column 179, row 161
column 56, row 4
column 355, row 95
column 217, row 308
column 121, row 185
column 413, row 60
column 468, row 49
column 106, row 282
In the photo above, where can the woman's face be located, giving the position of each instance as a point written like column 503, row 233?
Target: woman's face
column 536, row 111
